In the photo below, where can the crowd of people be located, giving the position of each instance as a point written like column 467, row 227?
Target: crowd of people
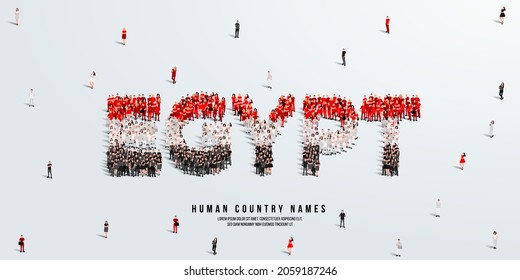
column 132, row 137
column 329, row 107
column 263, row 132
column 376, row 108
column 391, row 151
column 145, row 108
column 215, row 153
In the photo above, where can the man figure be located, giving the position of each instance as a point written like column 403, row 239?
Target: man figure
column 49, row 170
column 31, row 98
column 343, row 54
column 491, row 129
column 438, row 208
column 175, row 224
column 237, row 29
column 399, row 247
column 342, row 219
column 501, row 91
column 269, row 80
column 214, row 246
column 174, row 74
column 495, row 239
column 21, row 242
column 387, row 23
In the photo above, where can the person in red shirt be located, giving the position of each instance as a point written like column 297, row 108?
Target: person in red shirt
column 175, row 224
column 462, row 161
column 174, row 74
column 21, row 242
column 387, row 23
column 123, row 35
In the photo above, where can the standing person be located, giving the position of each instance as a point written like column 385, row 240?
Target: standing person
column 501, row 90
column 237, row 29
column 399, row 246
column 495, row 239
column 174, row 74
column 343, row 55
column 91, row 81
column 491, row 128
column 123, row 35
column 290, row 246
column 269, row 80
column 214, row 246
column 21, row 242
column 31, row 98
column 105, row 229
column 17, row 16
column 175, row 224
column 49, row 170
column 387, row 24
column 502, row 15
column 462, row 161
column 438, row 208
column 342, row 219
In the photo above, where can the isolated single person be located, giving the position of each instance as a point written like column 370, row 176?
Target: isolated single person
column 438, row 208
column 49, row 170
column 462, row 161
column 399, row 246
column 17, row 16
column 491, row 129
column 502, row 15
column 290, row 246
column 123, row 35
column 31, row 98
column 342, row 219
column 269, row 80
column 495, row 239
column 105, row 229
column 237, row 29
column 21, row 242
column 174, row 74
column 92, row 80
column 343, row 57
column 387, row 24
column 175, row 224
column 501, row 90
column 214, row 246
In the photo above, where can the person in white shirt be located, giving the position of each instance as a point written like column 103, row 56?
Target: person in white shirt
column 269, row 80
column 495, row 239
column 17, row 16
column 91, row 81
column 31, row 98
column 438, row 208
column 491, row 128
column 399, row 246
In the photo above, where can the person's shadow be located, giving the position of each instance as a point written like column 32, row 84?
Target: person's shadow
column 381, row 30
column 497, row 21
column 119, row 42
column 457, row 167
column 11, row 22
column 285, row 252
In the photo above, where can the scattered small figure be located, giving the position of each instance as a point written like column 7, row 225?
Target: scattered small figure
column 462, row 161
column 501, row 90
column 237, row 29
column 342, row 219
column 387, row 24
column 105, row 229
column 175, row 224
column 269, row 80
column 399, row 246
column 174, row 74
column 491, row 129
column 290, row 246
column 495, row 239
column 17, row 16
column 214, row 246
column 92, row 80
column 438, row 208
column 502, row 15
column 31, row 98
column 21, row 242
column 343, row 55
column 123, row 35
column 49, row 170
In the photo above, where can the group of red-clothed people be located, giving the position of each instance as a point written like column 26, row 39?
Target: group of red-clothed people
column 137, row 106
column 329, row 107
column 376, row 108
column 199, row 105
column 243, row 107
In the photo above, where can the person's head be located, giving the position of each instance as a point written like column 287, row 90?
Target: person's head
column 17, row 9
column 492, row 122
column 237, row 20
column 398, row 239
column 494, row 232
column 343, row 48
column 438, row 199
column 342, row 211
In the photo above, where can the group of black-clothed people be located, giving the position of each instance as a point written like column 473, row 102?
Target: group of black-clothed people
column 130, row 161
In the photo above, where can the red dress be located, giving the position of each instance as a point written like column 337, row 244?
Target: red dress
column 462, row 160
column 123, row 35
column 290, row 245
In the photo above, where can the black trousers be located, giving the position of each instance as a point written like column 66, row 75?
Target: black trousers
column 236, row 32
column 49, row 172
column 344, row 62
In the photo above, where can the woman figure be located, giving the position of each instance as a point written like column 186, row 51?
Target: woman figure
column 175, row 224
column 491, row 128
column 105, row 229
column 174, row 74
column 495, row 239
column 462, row 161
column 501, row 90
column 21, row 242
column 214, row 246
column 123, row 36
column 17, row 16
column 290, row 246
column 269, row 80
column 91, row 81
column 502, row 15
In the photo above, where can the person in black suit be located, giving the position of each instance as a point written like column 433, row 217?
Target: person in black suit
column 501, row 91
column 343, row 54
column 49, row 170
column 237, row 29
column 214, row 246
column 342, row 219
